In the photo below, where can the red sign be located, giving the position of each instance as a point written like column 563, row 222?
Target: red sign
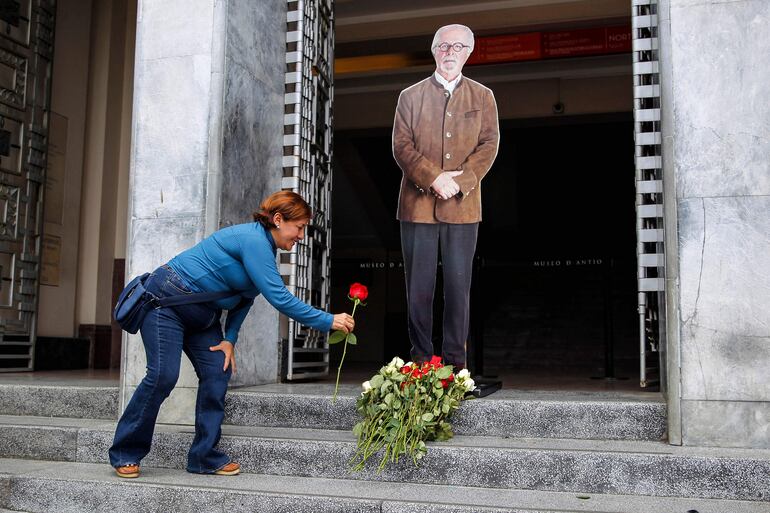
column 554, row 44
column 514, row 47
column 595, row 41
column 618, row 39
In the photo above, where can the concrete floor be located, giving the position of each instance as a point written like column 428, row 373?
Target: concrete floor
column 575, row 379
column 537, row 380
column 79, row 378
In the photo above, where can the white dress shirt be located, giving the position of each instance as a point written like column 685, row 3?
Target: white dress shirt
column 449, row 86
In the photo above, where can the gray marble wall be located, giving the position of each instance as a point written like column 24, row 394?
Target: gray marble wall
column 252, row 151
column 206, row 148
column 718, row 148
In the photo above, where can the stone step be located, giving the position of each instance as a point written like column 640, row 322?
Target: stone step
column 94, row 402
column 561, row 465
column 84, row 488
column 507, row 413
column 44, row 438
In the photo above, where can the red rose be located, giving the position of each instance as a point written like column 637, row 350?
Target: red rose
column 406, row 369
column 358, row 291
column 435, row 361
column 451, row 377
column 444, row 383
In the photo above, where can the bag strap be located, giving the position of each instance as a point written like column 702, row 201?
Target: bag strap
column 186, row 299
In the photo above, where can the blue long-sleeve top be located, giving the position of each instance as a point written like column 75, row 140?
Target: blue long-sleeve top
column 242, row 258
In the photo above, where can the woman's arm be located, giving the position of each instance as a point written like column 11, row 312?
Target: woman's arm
column 235, row 318
column 259, row 262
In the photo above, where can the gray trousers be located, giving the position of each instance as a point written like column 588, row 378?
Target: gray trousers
column 420, row 246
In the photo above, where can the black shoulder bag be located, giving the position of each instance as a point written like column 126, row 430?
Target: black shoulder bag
column 134, row 302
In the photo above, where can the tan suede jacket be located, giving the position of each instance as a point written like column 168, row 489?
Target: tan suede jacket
column 433, row 133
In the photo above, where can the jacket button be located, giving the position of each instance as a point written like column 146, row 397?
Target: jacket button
column 449, row 134
column 449, row 114
column 448, row 156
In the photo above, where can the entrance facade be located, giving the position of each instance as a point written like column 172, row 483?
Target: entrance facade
column 245, row 110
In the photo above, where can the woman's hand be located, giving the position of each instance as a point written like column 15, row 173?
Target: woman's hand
column 226, row 347
column 343, row 322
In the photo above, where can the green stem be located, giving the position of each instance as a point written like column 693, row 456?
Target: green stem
column 339, row 369
column 344, row 351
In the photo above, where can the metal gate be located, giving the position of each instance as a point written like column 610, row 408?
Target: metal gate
column 26, row 51
column 307, row 153
column 649, row 189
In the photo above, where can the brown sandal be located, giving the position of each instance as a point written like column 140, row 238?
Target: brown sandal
column 127, row 471
column 231, row 469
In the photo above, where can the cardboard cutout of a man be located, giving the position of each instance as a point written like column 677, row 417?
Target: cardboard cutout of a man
column 445, row 138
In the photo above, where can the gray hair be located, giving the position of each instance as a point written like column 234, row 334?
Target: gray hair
column 437, row 36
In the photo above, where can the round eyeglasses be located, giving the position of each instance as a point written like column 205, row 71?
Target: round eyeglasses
column 457, row 47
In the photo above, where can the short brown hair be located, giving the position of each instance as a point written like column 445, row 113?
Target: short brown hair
column 287, row 203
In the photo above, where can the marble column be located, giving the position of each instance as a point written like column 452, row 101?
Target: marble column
column 206, row 149
column 716, row 146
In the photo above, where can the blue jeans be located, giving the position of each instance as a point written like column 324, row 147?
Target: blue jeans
column 166, row 332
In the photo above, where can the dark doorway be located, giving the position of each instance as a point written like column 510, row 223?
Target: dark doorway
column 555, row 287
